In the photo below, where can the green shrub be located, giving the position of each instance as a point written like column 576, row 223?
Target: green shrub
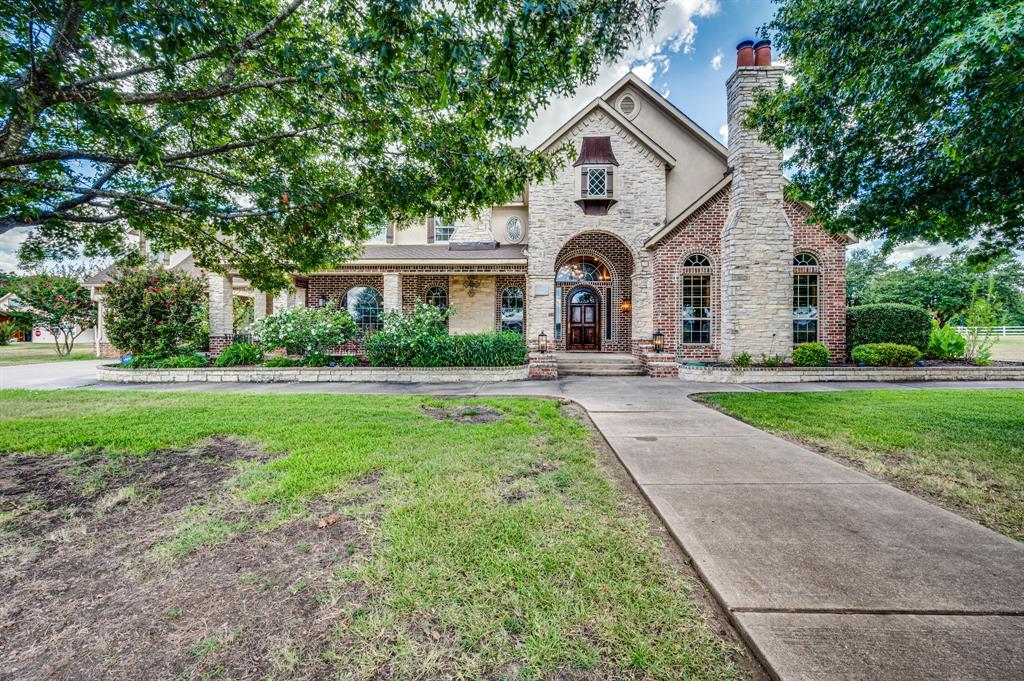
column 7, row 331
column 317, row 359
column 886, row 355
column 240, row 354
column 742, row 360
column 945, row 342
column 144, row 361
column 306, row 330
column 888, row 323
column 191, row 360
column 810, row 355
column 348, row 361
column 772, row 361
column 280, row 362
column 153, row 311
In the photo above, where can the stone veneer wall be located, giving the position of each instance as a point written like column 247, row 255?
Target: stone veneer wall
column 757, row 241
column 314, row 374
column 702, row 232
column 555, row 218
column 814, row 375
column 474, row 305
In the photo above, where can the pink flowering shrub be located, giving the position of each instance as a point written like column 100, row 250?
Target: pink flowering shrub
column 60, row 305
column 154, row 311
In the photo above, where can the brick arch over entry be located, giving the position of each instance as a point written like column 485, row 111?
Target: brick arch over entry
column 617, row 257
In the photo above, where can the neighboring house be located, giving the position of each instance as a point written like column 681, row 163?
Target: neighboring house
column 656, row 226
column 11, row 303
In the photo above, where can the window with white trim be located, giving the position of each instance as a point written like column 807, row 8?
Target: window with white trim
column 695, row 300
column 805, row 299
column 513, row 229
column 443, row 230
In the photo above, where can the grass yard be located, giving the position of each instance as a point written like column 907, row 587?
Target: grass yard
column 308, row 536
column 1009, row 349
column 961, row 448
column 33, row 353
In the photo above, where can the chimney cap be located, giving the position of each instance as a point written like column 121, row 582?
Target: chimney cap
column 745, row 43
column 761, row 43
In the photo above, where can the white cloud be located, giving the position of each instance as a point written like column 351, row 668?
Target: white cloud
column 716, row 61
column 723, row 133
column 10, row 241
column 676, row 32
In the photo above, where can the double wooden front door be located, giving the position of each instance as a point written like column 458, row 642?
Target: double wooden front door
column 583, row 321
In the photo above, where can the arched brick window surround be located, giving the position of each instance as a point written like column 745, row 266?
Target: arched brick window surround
column 618, row 258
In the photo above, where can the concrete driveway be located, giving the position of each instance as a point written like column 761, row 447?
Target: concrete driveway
column 50, row 375
column 826, row 572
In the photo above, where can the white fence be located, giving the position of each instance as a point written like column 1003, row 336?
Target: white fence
column 995, row 330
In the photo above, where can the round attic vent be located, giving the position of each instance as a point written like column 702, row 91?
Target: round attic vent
column 627, row 105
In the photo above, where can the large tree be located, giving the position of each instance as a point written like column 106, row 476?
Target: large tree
column 904, row 116
column 276, row 134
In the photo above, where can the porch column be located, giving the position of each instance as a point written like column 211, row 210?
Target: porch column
column 260, row 304
column 392, row 293
column 540, row 308
column 222, row 317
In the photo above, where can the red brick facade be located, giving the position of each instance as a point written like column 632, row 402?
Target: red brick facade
column 701, row 233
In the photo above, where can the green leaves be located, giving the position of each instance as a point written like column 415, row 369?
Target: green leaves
column 904, row 117
column 205, row 114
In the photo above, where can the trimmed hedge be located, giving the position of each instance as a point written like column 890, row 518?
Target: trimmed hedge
column 888, row 323
column 386, row 349
column 810, row 355
column 886, row 355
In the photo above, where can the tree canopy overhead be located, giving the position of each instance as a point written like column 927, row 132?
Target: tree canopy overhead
column 278, row 134
column 904, row 116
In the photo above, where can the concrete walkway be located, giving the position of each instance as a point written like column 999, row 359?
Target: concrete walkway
column 827, row 573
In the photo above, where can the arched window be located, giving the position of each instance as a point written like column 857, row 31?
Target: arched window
column 514, row 229
column 697, row 260
column 512, row 309
column 364, row 303
column 805, row 300
column 695, row 300
column 583, row 297
column 438, row 297
column 583, row 269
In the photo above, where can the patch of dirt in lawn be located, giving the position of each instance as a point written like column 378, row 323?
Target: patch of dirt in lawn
column 86, row 595
column 464, row 414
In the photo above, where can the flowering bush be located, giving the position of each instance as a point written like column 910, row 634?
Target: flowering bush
column 60, row 305
column 306, row 330
column 153, row 311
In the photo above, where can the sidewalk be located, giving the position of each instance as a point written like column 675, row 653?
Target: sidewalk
column 826, row 572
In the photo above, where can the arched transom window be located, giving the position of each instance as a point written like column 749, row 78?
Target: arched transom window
column 512, row 309
column 364, row 303
column 695, row 300
column 583, row 268
column 438, row 297
column 805, row 299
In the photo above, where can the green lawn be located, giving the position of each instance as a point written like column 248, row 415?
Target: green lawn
column 33, row 353
column 962, row 448
column 507, row 549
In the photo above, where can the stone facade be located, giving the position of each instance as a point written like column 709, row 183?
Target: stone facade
column 555, row 219
column 757, row 241
column 472, row 297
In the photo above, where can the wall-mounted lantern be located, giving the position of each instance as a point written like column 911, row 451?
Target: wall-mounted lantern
column 542, row 343
column 659, row 341
column 626, row 306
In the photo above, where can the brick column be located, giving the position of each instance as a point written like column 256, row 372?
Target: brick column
column 261, row 303
column 392, row 293
column 222, row 317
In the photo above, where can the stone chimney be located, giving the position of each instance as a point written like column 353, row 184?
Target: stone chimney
column 757, row 244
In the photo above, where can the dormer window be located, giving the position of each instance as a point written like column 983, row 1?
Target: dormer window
column 597, row 181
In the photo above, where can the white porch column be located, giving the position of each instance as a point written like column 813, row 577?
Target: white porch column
column 260, row 304
column 222, row 317
column 392, row 293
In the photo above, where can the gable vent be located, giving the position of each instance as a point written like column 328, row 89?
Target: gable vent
column 627, row 105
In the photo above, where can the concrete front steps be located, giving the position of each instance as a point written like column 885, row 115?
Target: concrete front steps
column 598, row 364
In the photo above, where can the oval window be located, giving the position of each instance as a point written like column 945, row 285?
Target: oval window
column 513, row 229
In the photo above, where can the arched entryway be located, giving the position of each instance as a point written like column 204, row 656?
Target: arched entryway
column 601, row 264
column 583, row 319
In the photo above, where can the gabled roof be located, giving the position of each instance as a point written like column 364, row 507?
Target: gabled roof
column 687, row 212
column 602, row 105
column 665, row 105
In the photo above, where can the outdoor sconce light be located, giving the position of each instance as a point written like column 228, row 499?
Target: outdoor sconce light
column 542, row 343
column 659, row 341
column 626, row 306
